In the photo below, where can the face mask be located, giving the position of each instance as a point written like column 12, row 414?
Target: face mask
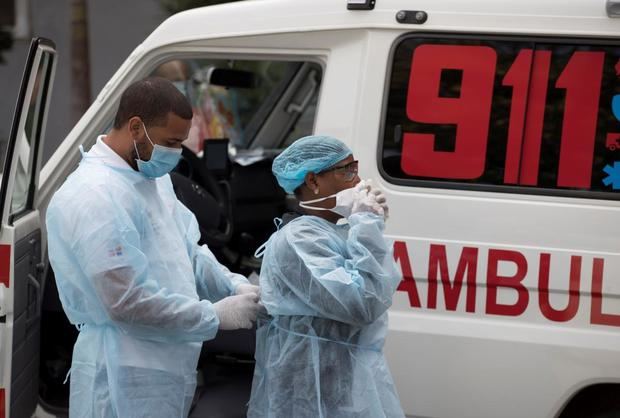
column 345, row 199
column 163, row 159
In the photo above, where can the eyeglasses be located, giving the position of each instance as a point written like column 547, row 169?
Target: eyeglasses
column 348, row 171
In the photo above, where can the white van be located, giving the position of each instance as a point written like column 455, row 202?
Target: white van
column 493, row 127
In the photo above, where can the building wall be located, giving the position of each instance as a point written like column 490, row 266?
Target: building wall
column 116, row 27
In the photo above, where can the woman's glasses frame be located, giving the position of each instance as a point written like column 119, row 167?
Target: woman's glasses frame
column 348, row 171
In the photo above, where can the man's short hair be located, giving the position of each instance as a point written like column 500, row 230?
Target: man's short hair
column 151, row 100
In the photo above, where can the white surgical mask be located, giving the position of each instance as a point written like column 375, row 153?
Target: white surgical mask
column 345, row 199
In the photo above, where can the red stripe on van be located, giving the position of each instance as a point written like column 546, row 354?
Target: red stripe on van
column 2, row 403
column 5, row 266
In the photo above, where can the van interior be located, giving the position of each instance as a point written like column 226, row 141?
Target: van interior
column 245, row 112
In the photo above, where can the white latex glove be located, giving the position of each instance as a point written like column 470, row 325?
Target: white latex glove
column 244, row 288
column 364, row 186
column 347, row 198
column 381, row 200
column 366, row 202
column 237, row 311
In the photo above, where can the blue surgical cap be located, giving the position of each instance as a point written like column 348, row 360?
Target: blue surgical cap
column 308, row 154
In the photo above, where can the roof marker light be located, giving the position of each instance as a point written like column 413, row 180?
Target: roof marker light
column 613, row 8
column 360, row 4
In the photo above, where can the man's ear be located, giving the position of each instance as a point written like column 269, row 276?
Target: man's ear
column 311, row 182
column 136, row 129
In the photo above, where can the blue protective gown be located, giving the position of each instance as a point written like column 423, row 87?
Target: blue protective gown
column 327, row 288
column 131, row 275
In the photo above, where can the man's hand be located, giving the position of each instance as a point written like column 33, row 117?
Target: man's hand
column 237, row 311
column 244, row 289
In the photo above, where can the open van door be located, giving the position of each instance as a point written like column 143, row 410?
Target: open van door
column 21, row 266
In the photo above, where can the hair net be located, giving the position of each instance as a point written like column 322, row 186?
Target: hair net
column 308, row 154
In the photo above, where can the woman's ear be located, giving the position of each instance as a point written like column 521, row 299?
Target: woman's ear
column 311, row 183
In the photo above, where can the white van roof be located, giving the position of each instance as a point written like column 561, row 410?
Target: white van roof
column 254, row 17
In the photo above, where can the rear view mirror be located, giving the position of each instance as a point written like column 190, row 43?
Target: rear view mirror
column 233, row 78
column 226, row 77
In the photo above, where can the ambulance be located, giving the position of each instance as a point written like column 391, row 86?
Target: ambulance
column 488, row 125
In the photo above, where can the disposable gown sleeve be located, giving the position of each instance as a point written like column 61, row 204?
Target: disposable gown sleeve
column 213, row 280
column 355, row 288
column 107, row 244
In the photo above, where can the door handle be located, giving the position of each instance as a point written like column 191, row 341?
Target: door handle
column 33, row 283
column 312, row 85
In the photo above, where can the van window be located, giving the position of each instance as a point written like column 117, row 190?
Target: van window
column 526, row 116
column 234, row 98
column 29, row 130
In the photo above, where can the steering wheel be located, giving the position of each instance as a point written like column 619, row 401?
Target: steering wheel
column 199, row 190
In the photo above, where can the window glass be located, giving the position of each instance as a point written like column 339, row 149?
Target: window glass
column 304, row 125
column 30, row 130
column 233, row 98
column 524, row 116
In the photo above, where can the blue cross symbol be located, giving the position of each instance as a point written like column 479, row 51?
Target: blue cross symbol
column 613, row 175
